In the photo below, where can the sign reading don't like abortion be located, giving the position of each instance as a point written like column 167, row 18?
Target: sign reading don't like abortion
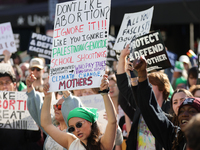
column 133, row 26
column 7, row 41
column 14, row 113
column 152, row 47
column 79, row 47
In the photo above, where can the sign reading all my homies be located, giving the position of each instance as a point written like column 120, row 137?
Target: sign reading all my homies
column 133, row 26
column 40, row 45
column 14, row 113
column 79, row 44
column 7, row 41
column 152, row 47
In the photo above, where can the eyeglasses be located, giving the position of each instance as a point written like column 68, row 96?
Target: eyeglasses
column 78, row 125
column 58, row 106
column 6, row 83
column 33, row 68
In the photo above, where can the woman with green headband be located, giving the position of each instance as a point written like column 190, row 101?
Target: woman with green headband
column 82, row 123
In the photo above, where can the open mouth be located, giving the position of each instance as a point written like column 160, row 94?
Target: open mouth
column 184, row 121
column 80, row 135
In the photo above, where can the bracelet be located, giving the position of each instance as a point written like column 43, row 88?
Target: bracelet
column 134, row 81
column 103, row 94
column 104, row 91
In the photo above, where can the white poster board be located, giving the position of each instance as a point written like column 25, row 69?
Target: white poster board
column 96, row 101
column 79, row 48
column 133, row 26
column 7, row 41
column 14, row 113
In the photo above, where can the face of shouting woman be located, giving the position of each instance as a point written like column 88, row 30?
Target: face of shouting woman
column 185, row 114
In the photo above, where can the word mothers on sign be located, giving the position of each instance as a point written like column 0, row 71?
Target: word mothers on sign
column 152, row 47
column 79, row 46
column 40, row 45
column 14, row 113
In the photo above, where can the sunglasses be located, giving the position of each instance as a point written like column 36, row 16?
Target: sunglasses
column 33, row 68
column 58, row 106
column 78, row 125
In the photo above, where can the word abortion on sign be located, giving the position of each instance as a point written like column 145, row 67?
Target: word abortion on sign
column 80, row 43
column 14, row 113
column 40, row 45
column 133, row 26
column 7, row 41
column 152, row 47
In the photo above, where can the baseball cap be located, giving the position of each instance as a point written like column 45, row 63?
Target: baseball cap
column 192, row 101
column 7, row 69
column 184, row 59
column 36, row 62
column 178, row 66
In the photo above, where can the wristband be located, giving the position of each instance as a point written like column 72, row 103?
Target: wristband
column 104, row 91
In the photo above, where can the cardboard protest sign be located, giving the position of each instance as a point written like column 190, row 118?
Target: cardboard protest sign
column 14, row 113
column 79, row 44
column 40, row 45
column 7, row 41
column 152, row 47
column 96, row 101
column 133, row 26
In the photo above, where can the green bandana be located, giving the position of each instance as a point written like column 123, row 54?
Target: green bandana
column 89, row 114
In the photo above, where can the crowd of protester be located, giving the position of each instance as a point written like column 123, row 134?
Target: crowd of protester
column 144, row 111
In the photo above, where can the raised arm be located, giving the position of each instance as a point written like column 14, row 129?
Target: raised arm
column 63, row 138
column 108, row 137
column 34, row 101
column 159, row 125
column 29, row 82
column 126, row 96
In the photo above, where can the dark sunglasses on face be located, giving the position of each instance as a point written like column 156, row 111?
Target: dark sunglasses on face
column 33, row 68
column 58, row 106
column 78, row 125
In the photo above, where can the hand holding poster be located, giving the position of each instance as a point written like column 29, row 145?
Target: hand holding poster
column 7, row 41
column 133, row 26
column 14, row 113
column 40, row 45
column 79, row 44
column 152, row 47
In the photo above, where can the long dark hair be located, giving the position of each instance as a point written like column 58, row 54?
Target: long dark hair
column 178, row 138
column 179, row 134
column 192, row 72
column 93, row 141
